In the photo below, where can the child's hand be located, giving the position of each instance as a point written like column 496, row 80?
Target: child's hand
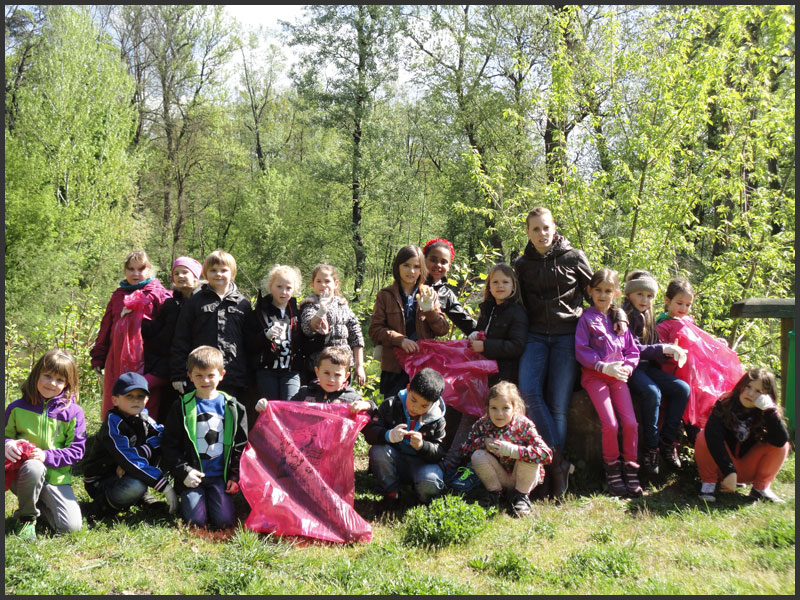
column 620, row 327
column 616, row 370
column 729, row 483
column 359, row 405
column 722, row 340
column 172, row 498
column 37, row 454
column 361, row 375
column 120, row 472
column 476, row 345
column 232, row 487
column 502, row 447
column 676, row 352
column 193, row 479
column 276, row 331
column 397, row 433
column 261, row 405
column 125, row 310
column 415, row 439
column 764, row 402
column 98, row 370
column 408, row 346
column 322, row 327
column 12, row 452
column 178, row 386
column 426, row 298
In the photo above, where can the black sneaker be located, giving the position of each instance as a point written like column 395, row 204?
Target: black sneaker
column 489, row 500
column 520, row 504
column 669, row 452
column 650, row 462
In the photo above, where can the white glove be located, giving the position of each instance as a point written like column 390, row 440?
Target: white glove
column 178, row 386
column 193, row 479
column 616, row 370
column 276, row 331
column 98, row 370
column 12, row 452
column 506, row 448
column 764, row 402
column 125, row 310
column 261, row 405
column 398, row 433
column 172, row 498
column 324, row 305
column 473, row 336
column 426, row 297
column 676, row 352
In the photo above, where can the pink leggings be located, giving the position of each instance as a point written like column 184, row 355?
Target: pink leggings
column 612, row 400
column 759, row 466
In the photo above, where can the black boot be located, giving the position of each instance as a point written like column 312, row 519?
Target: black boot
column 560, row 470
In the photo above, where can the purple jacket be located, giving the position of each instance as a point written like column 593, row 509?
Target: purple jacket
column 597, row 344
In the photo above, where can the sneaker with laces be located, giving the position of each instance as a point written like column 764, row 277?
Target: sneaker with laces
column 489, row 499
column 650, row 462
column 669, row 452
column 767, row 495
column 520, row 504
column 26, row 529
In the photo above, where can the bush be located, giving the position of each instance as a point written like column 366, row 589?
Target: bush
column 447, row 520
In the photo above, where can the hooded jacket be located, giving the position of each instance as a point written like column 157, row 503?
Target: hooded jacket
column 205, row 319
column 596, row 343
column 553, row 286
column 393, row 412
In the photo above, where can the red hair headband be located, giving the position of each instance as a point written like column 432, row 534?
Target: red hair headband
column 445, row 242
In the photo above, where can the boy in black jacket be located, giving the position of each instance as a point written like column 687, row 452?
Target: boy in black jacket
column 204, row 437
column 406, row 433
column 124, row 461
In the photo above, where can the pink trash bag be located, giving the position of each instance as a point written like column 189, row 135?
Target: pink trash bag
column 297, row 472
column 466, row 373
column 12, row 467
column 711, row 368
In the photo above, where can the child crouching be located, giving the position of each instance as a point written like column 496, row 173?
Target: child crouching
column 506, row 451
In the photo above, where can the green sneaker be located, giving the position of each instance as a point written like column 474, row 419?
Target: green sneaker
column 26, row 530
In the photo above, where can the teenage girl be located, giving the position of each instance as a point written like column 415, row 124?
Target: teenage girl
column 505, row 449
column 607, row 361
column 47, row 416
column 404, row 312
column 138, row 298
column 326, row 313
column 711, row 368
column 158, row 333
column 649, row 383
column 744, row 440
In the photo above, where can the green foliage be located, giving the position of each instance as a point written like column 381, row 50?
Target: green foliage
column 447, row 520
column 777, row 533
column 604, row 561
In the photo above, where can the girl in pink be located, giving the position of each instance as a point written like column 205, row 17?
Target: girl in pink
column 505, row 449
column 119, row 347
column 607, row 360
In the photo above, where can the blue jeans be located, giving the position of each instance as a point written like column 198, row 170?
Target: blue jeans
column 122, row 492
column 277, row 385
column 649, row 383
column 547, row 372
column 392, row 467
column 208, row 502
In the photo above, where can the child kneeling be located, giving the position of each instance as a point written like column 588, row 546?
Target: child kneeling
column 204, row 437
column 506, row 451
column 406, row 433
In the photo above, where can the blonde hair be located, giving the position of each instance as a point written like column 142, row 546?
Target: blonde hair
column 219, row 257
column 140, row 257
column 205, row 357
column 328, row 269
column 539, row 211
column 58, row 362
column 508, row 391
column 508, row 272
column 289, row 272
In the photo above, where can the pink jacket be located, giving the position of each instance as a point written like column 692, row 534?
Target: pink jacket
column 596, row 343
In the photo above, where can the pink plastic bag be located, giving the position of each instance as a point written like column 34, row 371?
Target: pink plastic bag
column 711, row 368
column 297, row 472
column 12, row 467
column 466, row 373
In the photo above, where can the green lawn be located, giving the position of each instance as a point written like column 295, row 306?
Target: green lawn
column 668, row 542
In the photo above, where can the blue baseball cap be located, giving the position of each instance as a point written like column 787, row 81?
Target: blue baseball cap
column 129, row 381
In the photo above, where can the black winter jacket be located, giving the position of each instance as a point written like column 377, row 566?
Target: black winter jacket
column 274, row 355
column 452, row 307
column 506, row 329
column 313, row 392
column 392, row 412
column 158, row 333
column 207, row 320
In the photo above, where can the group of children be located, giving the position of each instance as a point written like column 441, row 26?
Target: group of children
column 213, row 347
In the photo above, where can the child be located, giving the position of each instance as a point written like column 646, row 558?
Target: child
column 204, row 437
column 330, row 386
column 137, row 299
column 711, row 368
column 500, row 335
column 607, row 361
column 48, row 416
column 405, row 311
column 326, row 313
column 273, row 337
column 439, row 256
column 124, row 463
column 506, row 450
column 406, row 433
column 744, row 440
column 649, row 382
column 213, row 316
column 158, row 333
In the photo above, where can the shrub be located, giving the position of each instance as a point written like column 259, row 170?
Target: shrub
column 447, row 520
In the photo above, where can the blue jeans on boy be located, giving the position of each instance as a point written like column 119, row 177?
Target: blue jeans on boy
column 122, row 492
column 649, row 384
column 548, row 360
column 208, row 503
column 277, row 385
column 392, row 467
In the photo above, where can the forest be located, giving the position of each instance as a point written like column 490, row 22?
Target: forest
column 661, row 137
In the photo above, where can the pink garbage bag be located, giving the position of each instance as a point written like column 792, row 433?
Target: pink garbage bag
column 297, row 472
column 466, row 373
column 12, row 467
column 711, row 368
